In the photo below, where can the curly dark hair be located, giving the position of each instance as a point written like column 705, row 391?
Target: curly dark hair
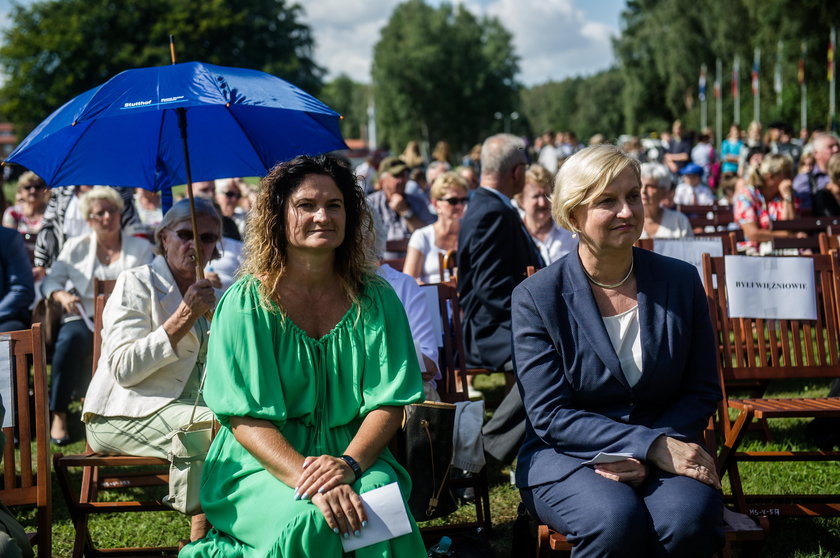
column 266, row 245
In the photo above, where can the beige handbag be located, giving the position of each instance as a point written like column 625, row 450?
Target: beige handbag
column 189, row 448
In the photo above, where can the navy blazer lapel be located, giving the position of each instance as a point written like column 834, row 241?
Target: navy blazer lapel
column 653, row 313
column 582, row 306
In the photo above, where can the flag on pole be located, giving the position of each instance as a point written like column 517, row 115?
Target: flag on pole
column 755, row 71
column 801, row 71
column 831, row 58
column 702, row 83
column 736, row 70
column 777, row 73
column 717, row 86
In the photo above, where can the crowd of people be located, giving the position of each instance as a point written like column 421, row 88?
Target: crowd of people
column 321, row 336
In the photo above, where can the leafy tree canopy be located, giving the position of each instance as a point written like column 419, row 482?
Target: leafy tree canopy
column 441, row 74
column 54, row 50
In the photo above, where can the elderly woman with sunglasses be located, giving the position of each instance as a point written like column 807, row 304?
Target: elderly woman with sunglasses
column 154, row 342
column 449, row 198
column 27, row 214
column 102, row 254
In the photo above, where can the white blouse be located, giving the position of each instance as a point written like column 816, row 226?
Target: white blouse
column 625, row 336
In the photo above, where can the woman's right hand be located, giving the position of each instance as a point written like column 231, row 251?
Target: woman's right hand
column 200, row 297
column 681, row 458
column 67, row 300
column 343, row 510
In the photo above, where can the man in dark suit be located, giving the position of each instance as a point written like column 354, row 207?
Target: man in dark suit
column 494, row 252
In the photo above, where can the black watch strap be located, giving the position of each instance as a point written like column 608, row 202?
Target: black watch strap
column 354, row 465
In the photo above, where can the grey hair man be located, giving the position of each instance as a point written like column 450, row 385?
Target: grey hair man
column 494, row 253
column 805, row 184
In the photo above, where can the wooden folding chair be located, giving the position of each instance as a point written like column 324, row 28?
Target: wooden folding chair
column 26, row 478
column 452, row 365
column 737, row 528
column 829, row 240
column 448, row 267
column 85, row 502
column 764, row 350
column 726, row 240
column 812, row 226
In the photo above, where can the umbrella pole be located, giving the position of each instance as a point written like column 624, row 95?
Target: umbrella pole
column 182, row 124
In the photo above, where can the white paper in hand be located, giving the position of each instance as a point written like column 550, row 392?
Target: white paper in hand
column 608, row 458
column 386, row 517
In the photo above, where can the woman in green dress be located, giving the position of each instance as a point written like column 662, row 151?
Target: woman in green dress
column 309, row 366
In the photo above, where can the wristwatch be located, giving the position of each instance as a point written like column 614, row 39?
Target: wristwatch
column 407, row 214
column 354, row 465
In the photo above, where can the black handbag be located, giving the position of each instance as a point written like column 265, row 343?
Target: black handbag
column 426, row 452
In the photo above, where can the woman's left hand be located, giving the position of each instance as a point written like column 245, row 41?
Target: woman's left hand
column 630, row 471
column 681, row 458
column 343, row 510
column 323, row 473
column 786, row 188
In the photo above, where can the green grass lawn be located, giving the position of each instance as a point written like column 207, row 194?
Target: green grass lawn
column 798, row 538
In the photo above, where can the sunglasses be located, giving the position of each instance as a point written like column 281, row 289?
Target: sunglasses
column 455, row 201
column 103, row 213
column 235, row 195
column 35, row 187
column 206, row 238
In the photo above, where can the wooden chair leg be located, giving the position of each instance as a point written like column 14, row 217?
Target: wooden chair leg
column 543, row 545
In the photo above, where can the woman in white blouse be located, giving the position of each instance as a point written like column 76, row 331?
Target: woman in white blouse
column 660, row 222
column 551, row 240
column 449, row 198
column 101, row 254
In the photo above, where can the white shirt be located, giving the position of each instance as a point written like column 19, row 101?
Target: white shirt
column 548, row 158
column 557, row 244
column 699, row 195
column 417, row 310
column 674, row 225
column 626, row 339
column 227, row 266
column 423, row 240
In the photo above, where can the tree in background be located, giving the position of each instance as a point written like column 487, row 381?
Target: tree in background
column 350, row 99
column 54, row 50
column 664, row 42
column 441, row 74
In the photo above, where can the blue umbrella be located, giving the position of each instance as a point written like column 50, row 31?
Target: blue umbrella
column 157, row 127
column 126, row 131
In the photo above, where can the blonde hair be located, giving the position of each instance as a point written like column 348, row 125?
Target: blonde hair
column 29, row 178
column 411, row 154
column 266, row 243
column 584, row 176
column 538, row 174
column 99, row 193
column 776, row 164
column 446, row 181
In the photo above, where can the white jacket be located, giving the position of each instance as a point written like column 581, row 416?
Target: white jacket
column 77, row 261
column 139, row 371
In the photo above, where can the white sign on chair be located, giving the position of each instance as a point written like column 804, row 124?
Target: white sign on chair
column 771, row 288
column 689, row 250
column 7, row 391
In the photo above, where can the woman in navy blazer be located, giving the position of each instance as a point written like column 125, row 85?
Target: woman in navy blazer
column 615, row 361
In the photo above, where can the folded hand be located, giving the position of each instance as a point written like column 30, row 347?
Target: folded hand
column 630, row 471
column 681, row 458
column 321, row 474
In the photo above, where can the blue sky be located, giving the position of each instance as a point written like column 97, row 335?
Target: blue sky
column 554, row 39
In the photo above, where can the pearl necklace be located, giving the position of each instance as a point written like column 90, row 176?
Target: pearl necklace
column 604, row 285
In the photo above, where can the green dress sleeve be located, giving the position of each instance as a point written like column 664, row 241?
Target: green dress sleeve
column 391, row 373
column 242, row 368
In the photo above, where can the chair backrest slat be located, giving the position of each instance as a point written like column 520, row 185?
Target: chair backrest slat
column 26, row 475
column 778, row 348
